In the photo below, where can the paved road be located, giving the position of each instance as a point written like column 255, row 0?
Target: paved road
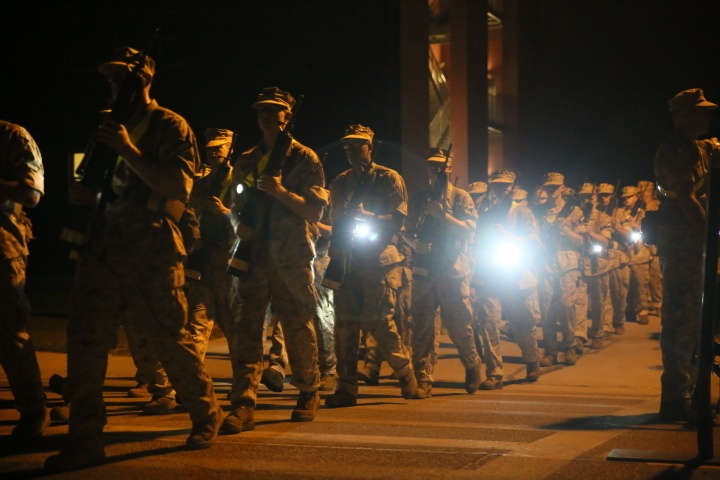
column 563, row 427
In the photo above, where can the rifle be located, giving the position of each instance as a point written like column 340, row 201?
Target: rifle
column 256, row 209
column 429, row 229
column 341, row 240
column 197, row 260
column 612, row 205
column 99, row 162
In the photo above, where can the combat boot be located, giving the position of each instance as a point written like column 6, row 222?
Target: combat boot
column 493, row 382
column 472, row 379
column 241, row 419
column 328, row 382
column 204, row 433
column 57, row 383
column 548, row 361
column 369, row 375
column 160, row 405
column 532, row 371
column 60, row 414
column 273, row 379
column 571, row 357
column 139, row 391
column 579, row 345
column 307, row 405
column 408, row 384
column 32, row 425
column 76, row 455
column 596, row 343
column 424, row 390
column 644, row 319
column 677, row 411
column 341, row 398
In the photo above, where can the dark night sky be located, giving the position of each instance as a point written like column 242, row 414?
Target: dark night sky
column 594, row 80
column 597, row 77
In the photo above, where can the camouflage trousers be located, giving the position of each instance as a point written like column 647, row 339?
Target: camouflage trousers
column 277, row 354
column 144, row 292
column 599, row 305
column 487, row 314
column 324, row 322
column 17, row 353
column 403, row 323
column 522, row 312
column 563, row 303
column 366, row 302
column 452, row 296
column 655, row 284
column 325, row 319
column 208, row 303
column 681, row 319
column 292, row 294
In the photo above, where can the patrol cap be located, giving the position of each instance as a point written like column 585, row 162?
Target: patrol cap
column 502, row 176
column 607, row 188
column 519, row 194
column 692, row 98
column 360, row 132
column 553, row 178
column 477, row 188
column 274, row 96
column 438, row 155
column 586, row 189
column 629, row 191
column 217, row 136
column 125, row 57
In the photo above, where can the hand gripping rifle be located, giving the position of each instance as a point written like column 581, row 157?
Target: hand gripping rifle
column 256, row 209
column 429, row 229
column 98, row 165
column 198, row 258
column 341, row 240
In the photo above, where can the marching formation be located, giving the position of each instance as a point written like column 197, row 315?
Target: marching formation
column 170, row 242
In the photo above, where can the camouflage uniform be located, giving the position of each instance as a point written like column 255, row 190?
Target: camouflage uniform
column 209, row 295
column 324, row 322
column 510, row 289
column 403, row 316
column 207, row 285
column 446, row 284
column 563, row 289
column 132, row 272
column 367, row 298
column 627, row 220
column 681, row 251
column 325, row 313
column 148, row 369
column 596, row 266
column 20, row 161
column 655, row 284
column 618, row 270
column 276, row 352
column 281, row 273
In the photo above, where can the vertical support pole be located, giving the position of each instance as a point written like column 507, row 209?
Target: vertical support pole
column 707, row 327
